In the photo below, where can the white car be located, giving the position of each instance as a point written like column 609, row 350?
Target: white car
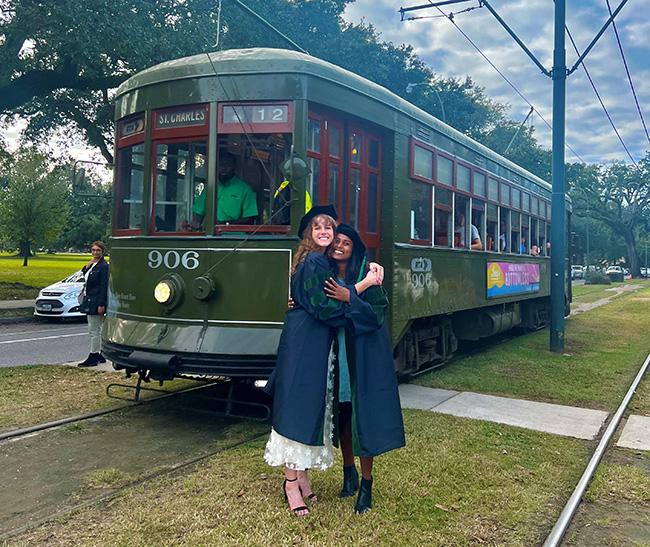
column 614, row 270
column 60, row 299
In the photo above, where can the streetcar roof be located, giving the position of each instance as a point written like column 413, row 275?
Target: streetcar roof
column 273, row 61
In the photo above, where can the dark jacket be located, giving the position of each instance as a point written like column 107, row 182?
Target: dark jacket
column 96, row 288
column 376, row 411
column 299, row 382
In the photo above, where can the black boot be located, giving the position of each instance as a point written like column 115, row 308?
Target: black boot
column 364, row 501
column 91, row 360
column 350, row 481
column 101, row 358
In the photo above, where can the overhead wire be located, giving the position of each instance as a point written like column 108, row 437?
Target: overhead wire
column 600, row 100
column 627, row 71
column 505, row 78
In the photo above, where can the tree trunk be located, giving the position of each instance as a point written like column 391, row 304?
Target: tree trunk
column 25, row 252
column 632, row 254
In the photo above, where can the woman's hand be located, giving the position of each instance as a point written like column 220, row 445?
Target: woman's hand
column 335, row 291
column 291, row 304
column 378, row 269
column 101, row 310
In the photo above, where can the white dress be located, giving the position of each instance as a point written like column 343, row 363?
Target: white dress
column 281, row 451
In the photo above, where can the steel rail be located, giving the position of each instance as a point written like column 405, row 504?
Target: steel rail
column 71, row 419
column 562, row 523
column 4, row 536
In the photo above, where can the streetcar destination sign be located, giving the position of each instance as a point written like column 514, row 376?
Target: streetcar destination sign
column 181, row 117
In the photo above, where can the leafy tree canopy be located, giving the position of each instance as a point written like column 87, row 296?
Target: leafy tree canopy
column 618, row 196
column 60, row 59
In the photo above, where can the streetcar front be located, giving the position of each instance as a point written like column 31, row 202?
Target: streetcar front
column 208, row 192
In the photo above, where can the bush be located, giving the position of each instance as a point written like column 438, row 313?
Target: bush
column 597, row 278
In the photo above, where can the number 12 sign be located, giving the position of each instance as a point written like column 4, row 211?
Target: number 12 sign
column 256, row 118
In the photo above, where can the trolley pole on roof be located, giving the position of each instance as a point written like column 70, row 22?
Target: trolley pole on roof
column 558, row 201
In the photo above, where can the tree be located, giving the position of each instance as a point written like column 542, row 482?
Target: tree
column 61, row 59
column 33, row 204
column 618, row 196
column 90, row 214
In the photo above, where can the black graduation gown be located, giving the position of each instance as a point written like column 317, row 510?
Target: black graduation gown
column 377, row 425
column 299, row 381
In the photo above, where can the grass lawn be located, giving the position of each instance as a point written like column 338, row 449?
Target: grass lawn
column 604, row 349
column 457, row 482
column 17, row 282
column 36, row 394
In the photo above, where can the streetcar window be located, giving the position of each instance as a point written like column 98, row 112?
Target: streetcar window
column 313, row 180
column 463, row 178
column 479, row 184
column 444, row 170
column 534, row 235
column 478, row 219
column 525, row 202
column 516, row 198
column 129, row 187
column 355, row 148
column 515, row 230
column 492, row 221
column 353, row 198
column 462, row 235
column 334, row 141
column 258, row 159
column 534, row 205
column 524, row 247
column 505, row 193
column 504, row 230
column 442, row 217
column 420, row 213
column 493, row 190
column 542, row 237
column 422, row 163
column 373, row 206
column 180, row 177
column 314, row 136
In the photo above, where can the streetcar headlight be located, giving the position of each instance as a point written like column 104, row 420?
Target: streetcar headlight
column 164, row 292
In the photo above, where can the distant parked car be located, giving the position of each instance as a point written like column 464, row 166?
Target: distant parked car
column 615, row 273
column 577, row 271
column 61, row 298
column 645, row 272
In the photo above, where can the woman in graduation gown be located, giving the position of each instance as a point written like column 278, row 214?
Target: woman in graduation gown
column 370, row 416
column 302, row 384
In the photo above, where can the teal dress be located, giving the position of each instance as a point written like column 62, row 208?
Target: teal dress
column 345, row 396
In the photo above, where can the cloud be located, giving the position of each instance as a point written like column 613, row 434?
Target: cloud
column 441, row 46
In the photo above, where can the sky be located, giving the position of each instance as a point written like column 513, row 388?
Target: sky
column 588, row 132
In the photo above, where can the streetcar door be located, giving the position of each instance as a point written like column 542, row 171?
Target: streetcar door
column 363, row 188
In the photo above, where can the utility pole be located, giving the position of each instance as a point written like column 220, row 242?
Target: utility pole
column 558, row 203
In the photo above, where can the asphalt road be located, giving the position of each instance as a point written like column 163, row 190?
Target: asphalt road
column 41, row 343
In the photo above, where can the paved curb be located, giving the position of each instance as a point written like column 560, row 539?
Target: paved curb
column 10, row 320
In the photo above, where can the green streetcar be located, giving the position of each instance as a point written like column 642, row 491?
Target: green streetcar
column 462, row 232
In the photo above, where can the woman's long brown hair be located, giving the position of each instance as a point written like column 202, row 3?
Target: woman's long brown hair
column 307, row 244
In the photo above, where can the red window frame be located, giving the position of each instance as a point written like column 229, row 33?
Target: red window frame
column 180, row 132
column 121, row 143
column 424, row 146
column 153, row 177
column 418, row 241
column 238, row 128
column 471, row 179
column 449, row 157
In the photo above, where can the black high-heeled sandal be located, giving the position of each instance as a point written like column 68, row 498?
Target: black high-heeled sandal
column 364, row 501
column 313, row 498
column 295, row 510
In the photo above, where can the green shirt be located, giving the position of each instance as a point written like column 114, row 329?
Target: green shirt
column 235, row 200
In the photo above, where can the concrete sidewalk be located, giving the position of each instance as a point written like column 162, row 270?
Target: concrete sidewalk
column 569, row 421
column 16, row 304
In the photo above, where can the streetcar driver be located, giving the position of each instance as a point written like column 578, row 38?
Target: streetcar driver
column 236, row 200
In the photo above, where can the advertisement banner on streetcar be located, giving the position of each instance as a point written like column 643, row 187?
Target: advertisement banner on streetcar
column 507, row 278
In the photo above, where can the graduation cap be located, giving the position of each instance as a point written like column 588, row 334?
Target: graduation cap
column 314, row 212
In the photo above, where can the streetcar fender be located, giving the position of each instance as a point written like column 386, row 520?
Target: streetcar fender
column 161, row 365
